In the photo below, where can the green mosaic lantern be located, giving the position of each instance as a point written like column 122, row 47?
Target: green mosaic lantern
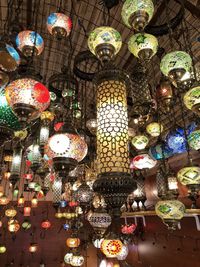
column 7, row 117
column 137, row 13
column 140, row 142
column 104, row 43
column 194, row 140
column 143, row 46
column 192, row 99
column 175, row 65
column 190, row 176
column 170, row 211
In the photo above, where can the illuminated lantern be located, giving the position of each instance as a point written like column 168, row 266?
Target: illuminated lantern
column 34, row 202
column 172, row 184
column 143, row 46
column 27, row 211
column 140, row 142
column 7, row 175
column 92, row 126
column 68, row 257
column 123, row 254
column 164, row 95
column 97, row 243
column 190, row 176
column 84, row 194
column 66, row 148
column 46, row 118
column 170, row 211
column 57, row 190
column 194, row 140
column 77, row 260
column 111, row 248
column 11, row 212
column 175, row 64
column 27, row 98
column 192, row 99
column 59, row 25
column 128, row 229
column 154, row 129
column 16, row 164
column 9, row 59
column 137, row 14
column 4, row 200
column 143, row 161
column 73, row 242
column 46, row 224
column 13, row 226
column 26, row 225
column 30, row 43
column 33, row 247
column 2, row 249
column 34, row 156
column 105, row 43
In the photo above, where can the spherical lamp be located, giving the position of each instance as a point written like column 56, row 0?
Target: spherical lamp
column 77, row 260
column 140, row 142
column 111, row 248
column 27, row 98
column 170, row 211
column 46, row 224
column 30, row 43
column 105, row 43
column 2, row 249
column 73, row 242
column 84, row 194
column 68, row 257
column 137, row 14
column 143, row 46
column 11, row 212
column 13, row 226
column 9, row 60
column 123, row 254
column 192, row 99
column 175, row 65
column 154, row 129
column 143, row 161
column 59, row 25
column 190, row 176
column 33, row 248
column 194, row 140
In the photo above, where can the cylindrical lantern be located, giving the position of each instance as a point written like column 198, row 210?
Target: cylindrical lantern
column 27, row 211
column 20, row 202
column 34, row 202
column 57, row 190
column 16, row 163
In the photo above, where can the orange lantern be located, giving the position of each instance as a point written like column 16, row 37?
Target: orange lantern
column 73, row 242
column 46, row 224
column 27, row 211
column 20, row 202
column 111, row 248
column 34, row 202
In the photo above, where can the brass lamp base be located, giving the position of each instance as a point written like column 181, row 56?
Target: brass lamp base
column 59, row 32
column 139, row 20
column 24, row 112
column 29, row 51
column 176, row 75
column 145, row 54
column 63, row 165
column 105, row 52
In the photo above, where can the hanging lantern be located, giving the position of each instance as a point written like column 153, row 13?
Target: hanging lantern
column 140, row 142
column 194, row 140
column 77, row 260
column 46, row 118
column 9, row 60
column 192, row 99
column 164, row 95
column 100, row 220
column 154, row 129
column 30, row 43
column 11, row 212
column 175, row 65
column 16, row 164
column 105, row 43
column 66, row 148
column 2, row 249
column 128, row 229
column 143, row 46
column 143, row 161
column 27, row 211
column 20, row 202
column 190, row 176
column 27, row 98
column 111, row 248
column 84, row 194
column 73, row 242
column 97, row 243
column 13, row 226
column 4, row 200
column 68, row 257
column 170, row 211
column 46, row 224
column 59, row 25
column 137, row 14
column 57, row 190
column 123, row 254
column 34, row 156
column 26, row 225
column 92, row 126
column 33, row 247
column 172, row 184
column 34, row 202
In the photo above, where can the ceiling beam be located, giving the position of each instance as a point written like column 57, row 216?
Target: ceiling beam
column 194, row 10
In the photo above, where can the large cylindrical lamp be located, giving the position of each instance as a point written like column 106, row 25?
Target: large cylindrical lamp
column 112, row 138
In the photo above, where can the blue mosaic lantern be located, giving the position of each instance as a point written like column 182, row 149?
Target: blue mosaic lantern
column 160, row 151
column 9, row 58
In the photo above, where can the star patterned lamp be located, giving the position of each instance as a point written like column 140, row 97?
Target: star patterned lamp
column 143, row 46
column 137, row 13
column 59, row 25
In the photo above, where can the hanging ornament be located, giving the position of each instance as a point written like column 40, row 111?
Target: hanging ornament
column 164, row 95
column 194, row 140
column 192, row 99
column 154, row 129
column 111, row 248
column 140, row 142
column 9, row 60
column 59, row 25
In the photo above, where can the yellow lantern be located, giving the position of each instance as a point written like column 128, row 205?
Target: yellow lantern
column 73, row 242
column 13, row 226
column 11, row 212
column 154, row 129
column 140, row 141
column 111, row 247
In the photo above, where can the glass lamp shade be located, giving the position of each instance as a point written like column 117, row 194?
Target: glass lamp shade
column 59, row 25
column 143, row 161
column 27, row 98
column 73, row 242
column 26, row 225
column 11, row 212
column 33, row 154
column 84, row 194
column 189, row 176
column 4, row 200
column 143, row 46
column 111, row 248
column 172, row 183
column 140, row 142
column 33, row 247
column 123, row 254
column 46, row 224
column 2, row 249
column 137, row 13
column 7, row 117
column 154, row 129
column 170, row 211
column 77, row 260
column 160, row 151
column 13, row 226
column 194, row 140
column 16, row 163
column 104, row 42
column 97, row 243
column 27, row 211
column 100, row 220
column 68, row 258
column 192, row 99
column 175, row 65
column 92, row 126
column 29, row 43
column 9, row 58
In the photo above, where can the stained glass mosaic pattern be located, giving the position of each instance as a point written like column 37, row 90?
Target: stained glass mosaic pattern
column 170, row 209
column 59, row 22
column 111, row 247
column 192, row 99
column 189, row 175
column 194, row 140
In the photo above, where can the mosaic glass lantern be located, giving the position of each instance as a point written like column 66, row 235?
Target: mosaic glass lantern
column 34, row 156
column 189, row 176
column 92, row 126
column 46, row 224
column 123, row 254
column 27, row 98
column 59, row 25
column 143, row 161
column 46, row 118
column 13, row 226
column 73, row 242
column 111, row 248
column 154, row 129
column 84, row 194
column 128, row 229
column 16, row 164
column 175, row 65
column 26, row 225
column 2, row 249
column 77, row 260
column 4, row 200
column 164, row 95
column 194, row 140
column 143, row 46
column 170, row 211
column 192, row 99
column 68, row 257
column 105, row 43
column 11, row 212
column 9, row 58
column 140, row 142
column 137, row 13
column 30, row 43
column 66, row 148
column 97, row 243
